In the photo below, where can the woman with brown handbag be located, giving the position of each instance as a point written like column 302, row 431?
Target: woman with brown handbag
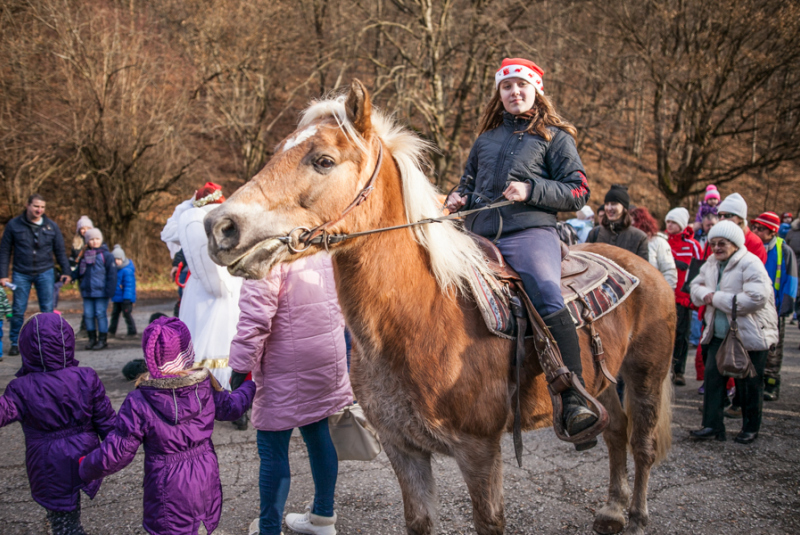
column 731, row 271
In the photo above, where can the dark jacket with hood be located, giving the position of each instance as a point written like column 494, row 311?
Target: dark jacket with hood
column 97, row 272
column 630, row 238
column 62, row 408
column 33, row 246
column 174, row 419
column 793, row 237
column 508, row 153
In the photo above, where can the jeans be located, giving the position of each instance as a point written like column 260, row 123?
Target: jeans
column 96, row 308
column 697, row 329
column 45, row 288
column 126, row 308
column 751, row 389
column 275, row 477
column 535, row 254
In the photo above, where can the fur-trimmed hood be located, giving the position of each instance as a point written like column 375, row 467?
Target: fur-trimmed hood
column 177, row 399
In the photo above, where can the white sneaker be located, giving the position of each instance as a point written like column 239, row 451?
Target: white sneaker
column 254, row 528
column 312, row 524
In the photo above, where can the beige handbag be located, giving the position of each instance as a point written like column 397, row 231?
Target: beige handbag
column 732, row 358
column 352, row 435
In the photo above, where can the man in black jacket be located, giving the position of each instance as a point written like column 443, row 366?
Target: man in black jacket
column 34, row 240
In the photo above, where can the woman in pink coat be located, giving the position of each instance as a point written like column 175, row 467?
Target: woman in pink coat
column 291, row 337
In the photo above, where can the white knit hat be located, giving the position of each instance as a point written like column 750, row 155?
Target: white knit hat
column 728, row 230
column 733, row 204
column 586, row 211
column 679, row 215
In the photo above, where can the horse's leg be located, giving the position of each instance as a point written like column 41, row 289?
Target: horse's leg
column 413, row 470
column 611, row 517
column 644, row 403
column 481, row 465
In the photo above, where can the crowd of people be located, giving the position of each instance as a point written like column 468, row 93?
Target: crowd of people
column 709, row 261
column 235, row 344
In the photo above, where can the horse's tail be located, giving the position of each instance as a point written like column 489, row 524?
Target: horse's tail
column 663, row 429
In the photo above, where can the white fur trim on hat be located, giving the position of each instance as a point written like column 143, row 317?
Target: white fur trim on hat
column 733, row 204
column 728, row 230
column 679, row 215
column 519, row 71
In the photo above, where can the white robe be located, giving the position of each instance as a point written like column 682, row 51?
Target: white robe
column 210, row 304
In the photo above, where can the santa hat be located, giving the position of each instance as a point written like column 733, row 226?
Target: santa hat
column 210, row 193
column 167, row 347
column 769, row 220
column 520, row 68
column 712, row 192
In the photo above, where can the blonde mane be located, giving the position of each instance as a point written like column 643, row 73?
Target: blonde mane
column 452, row 253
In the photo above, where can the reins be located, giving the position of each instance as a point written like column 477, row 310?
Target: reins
column 319, row 234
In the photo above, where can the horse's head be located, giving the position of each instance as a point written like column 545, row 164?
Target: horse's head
column 315, row 173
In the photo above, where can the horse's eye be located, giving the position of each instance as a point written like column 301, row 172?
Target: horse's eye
column 324, row 163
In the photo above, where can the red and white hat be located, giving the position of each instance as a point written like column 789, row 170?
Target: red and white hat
column 520, row 68
column 210, row 193
column 769, row 220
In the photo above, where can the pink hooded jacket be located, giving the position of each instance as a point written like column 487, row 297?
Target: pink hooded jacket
column 291, row 336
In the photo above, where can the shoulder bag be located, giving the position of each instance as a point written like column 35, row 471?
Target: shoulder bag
column 352, row 435
column 732, row 358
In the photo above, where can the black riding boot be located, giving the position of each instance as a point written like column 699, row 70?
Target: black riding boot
column 577, row 415
column 102, row 342
column 92, row 340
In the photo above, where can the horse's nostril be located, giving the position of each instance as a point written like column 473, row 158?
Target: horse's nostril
column 226, row 233
column 228, row 229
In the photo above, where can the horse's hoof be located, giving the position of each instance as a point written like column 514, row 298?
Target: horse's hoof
column 606, row 526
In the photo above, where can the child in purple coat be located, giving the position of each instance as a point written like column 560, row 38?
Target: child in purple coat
column 172, row 412
column 63, row 409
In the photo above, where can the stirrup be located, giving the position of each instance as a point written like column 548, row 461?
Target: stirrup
column 586, row 435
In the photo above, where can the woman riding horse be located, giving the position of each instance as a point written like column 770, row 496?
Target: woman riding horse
column 526, row 153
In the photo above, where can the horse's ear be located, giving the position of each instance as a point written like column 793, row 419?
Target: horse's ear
column 359, row 107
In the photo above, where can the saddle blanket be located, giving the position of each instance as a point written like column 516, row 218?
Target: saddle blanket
column 603, row 293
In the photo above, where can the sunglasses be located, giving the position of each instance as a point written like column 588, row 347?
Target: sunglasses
column 726, row 216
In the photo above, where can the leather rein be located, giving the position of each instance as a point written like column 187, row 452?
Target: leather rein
column 297, row 243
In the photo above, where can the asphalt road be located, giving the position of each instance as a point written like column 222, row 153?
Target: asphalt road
column 702, row 488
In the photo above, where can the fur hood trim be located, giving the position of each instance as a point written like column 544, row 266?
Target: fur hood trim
column 173, row 383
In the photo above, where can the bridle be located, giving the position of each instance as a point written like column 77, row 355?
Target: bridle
column 301, row 238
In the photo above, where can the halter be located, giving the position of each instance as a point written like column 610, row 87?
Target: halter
column 319, row 234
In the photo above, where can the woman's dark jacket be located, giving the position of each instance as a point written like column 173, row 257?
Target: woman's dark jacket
column 508, row 153
column 631, row 239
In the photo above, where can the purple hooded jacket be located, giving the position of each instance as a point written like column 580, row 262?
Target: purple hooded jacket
column 174, row 418
column 63, row 408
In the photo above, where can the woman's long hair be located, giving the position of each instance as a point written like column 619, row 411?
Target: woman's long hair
column 644, row 221
column 542, row 115
column 620, row 224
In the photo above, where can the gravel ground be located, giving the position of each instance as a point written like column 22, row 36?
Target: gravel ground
column 702, row 488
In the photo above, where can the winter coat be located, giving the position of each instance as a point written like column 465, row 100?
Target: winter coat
column 784, row 229
column 784, row 284
column 753, row 244
column 126, row 283
column 684, row 249
column 291, row 336
column 793, row 237
column 62, row 408
column 661, row 258
column 97, row 273
column 631, row 239
column 508, row 153
column 174, row 419
column 747, row 279
column 210, row 302
column 33, row 246
column 703, row 210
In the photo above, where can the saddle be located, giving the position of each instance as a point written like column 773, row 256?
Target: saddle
column 591, row 285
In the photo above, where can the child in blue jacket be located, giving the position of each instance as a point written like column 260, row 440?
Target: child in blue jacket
column 125, row 294
column 97, row 273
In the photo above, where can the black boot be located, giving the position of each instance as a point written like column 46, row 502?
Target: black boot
column 92, row 340
column 772, row 388
column 102, row 342
column 577, row 415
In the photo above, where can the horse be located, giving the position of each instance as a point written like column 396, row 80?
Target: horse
column 429, row 374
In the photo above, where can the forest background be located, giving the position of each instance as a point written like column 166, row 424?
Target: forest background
column 121, row 109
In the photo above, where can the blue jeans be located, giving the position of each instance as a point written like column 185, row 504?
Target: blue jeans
column 45, row 286
column 275, row 477
column 535, row 254
column 96, row 308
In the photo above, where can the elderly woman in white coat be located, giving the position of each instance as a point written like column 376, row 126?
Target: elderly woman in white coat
column 733, row 271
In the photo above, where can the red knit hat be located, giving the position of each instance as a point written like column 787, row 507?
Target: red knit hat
column 210, row 193
column 520, row 68
column 769, row 220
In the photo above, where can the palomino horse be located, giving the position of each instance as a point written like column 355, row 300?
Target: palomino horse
column 429, row 374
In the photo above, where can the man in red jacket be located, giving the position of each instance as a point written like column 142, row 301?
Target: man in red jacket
column 684, row 249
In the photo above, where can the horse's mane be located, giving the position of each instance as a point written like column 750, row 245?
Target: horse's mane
column 452, row 253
